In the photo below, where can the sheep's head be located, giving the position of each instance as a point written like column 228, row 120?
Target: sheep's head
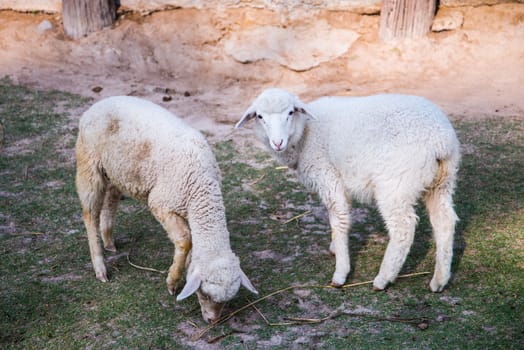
column 280, row 118
column 216, row 281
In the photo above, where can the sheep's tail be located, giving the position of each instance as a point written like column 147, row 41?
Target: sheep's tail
column 439, row 195
column 445, row 176
column 442, row 175
column 448, row 163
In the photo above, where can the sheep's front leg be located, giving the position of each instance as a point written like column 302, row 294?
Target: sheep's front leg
column 340, row 221
column 179, row 233
column 182, row 248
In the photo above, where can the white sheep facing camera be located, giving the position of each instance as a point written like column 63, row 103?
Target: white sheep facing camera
column 390, row 149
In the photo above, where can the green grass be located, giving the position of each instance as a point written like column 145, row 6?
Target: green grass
column 50, row 299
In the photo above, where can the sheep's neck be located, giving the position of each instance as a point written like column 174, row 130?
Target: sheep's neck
column 207, row 222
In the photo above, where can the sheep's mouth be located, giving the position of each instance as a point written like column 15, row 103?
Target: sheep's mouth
column 278, row 149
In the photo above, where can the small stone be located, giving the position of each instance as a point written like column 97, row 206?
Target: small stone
column 441, row 318
column 167, row 98
column 97, row 89
column 447, row 19
column 422, row 326
column 44, row 26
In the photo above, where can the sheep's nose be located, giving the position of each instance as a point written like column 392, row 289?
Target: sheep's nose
column 278, row 145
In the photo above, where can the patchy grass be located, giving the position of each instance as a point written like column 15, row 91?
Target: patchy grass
column 50, row 299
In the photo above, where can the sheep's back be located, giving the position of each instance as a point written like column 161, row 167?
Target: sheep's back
column 140, row 145
column 380, row 139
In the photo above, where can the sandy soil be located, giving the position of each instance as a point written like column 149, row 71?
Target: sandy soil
column 186, row 57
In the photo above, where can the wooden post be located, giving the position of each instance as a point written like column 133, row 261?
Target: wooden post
column 81, row 17
column 406, row 18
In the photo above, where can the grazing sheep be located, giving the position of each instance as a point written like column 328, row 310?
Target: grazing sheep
column 132, row 146
column 394, row 149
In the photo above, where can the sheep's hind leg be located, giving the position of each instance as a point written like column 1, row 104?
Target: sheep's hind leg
column 401, row 221
column 179, row 233
column 439, row 205
column 91, row 187
column 107, row 217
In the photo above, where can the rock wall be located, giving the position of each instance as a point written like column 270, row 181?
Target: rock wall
column 359, row 6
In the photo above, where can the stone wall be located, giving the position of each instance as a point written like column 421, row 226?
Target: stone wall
column 359, row 6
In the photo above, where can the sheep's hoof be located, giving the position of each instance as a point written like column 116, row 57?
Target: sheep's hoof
column 436, row 287
column 102, row 276
column 172, row 285
column 338, row 279
column 172, row 289
column 379, row 284
column 100, row 268
column 336, row 284
column 110, row 248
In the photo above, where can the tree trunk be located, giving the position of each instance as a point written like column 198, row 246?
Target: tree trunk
column 81, row 17
column 406, row 18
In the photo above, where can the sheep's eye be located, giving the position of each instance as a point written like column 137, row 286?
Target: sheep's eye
column 259, row 116
column 291, row 112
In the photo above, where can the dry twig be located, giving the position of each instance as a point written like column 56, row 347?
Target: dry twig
column 412, row 321
column 27, row 234
column 257, row 180
column 220, row 337
column 297, row 216
column 192, row 323
column 301, row 320
column 144, row 268
column 267, row 321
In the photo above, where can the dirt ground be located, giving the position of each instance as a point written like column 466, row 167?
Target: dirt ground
column 206, row 66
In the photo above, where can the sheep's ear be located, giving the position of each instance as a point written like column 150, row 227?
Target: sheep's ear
column 248, row 115
column 247, row 283
column 302, row 108
column 192, row 285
